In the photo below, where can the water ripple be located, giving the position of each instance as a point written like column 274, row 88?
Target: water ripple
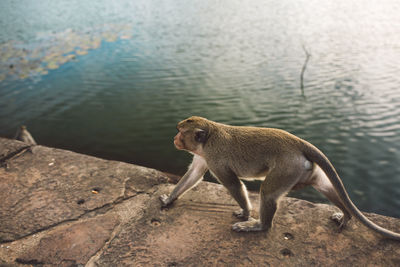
column 235, row 63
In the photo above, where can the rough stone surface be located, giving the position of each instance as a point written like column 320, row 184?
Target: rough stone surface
column 49, row 186
column 69, row 245
column 8, row 146
column 197, row 230
column 59, row 208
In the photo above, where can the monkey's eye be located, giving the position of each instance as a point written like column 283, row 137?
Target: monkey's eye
column 189, row 120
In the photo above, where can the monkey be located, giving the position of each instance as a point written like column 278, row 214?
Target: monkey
column 24, row 136
column 281, row 160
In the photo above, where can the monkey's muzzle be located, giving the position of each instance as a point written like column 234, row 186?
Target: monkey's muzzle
column 178, row 141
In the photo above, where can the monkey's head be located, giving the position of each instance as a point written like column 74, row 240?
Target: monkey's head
column 192, row 134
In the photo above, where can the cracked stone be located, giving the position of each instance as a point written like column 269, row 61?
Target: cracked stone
column 123, row 223
column 40, row 196
column 8, row 146
column 73, row 244
column 196, row 230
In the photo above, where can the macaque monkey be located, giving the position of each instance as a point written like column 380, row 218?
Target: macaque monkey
column 282, row 160
column 24, row 136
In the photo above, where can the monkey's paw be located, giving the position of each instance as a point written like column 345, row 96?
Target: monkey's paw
column 340, row 219
column 337, row 217
column 241, row 214
column 252, row 225
column 165, row 200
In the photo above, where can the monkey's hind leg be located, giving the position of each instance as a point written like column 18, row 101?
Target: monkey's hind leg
column 323, row 185
column 271, row 189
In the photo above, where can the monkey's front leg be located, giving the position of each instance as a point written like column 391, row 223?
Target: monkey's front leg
column 237, row 190
column 192, row 177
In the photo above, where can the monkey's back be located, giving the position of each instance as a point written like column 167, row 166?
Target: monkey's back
column 249, row 150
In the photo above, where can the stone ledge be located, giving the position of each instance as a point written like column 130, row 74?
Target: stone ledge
column 60, row 208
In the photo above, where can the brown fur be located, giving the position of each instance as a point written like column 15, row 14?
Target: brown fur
column 281, row 159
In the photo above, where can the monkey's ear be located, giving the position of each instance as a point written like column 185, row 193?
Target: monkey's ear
column 200, row 136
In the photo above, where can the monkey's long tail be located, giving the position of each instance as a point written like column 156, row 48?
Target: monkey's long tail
column 315, row 155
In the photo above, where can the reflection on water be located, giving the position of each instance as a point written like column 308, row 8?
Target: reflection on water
column 228, row 61
column 21, row 60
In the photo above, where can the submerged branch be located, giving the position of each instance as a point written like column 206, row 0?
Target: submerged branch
column 303, row 69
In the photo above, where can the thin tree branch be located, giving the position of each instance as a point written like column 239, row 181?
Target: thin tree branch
column 303, row 69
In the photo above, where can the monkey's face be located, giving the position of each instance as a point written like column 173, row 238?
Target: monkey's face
column 190, row 136
column 179, row 140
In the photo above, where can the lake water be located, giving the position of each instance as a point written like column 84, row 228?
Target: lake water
column 112, row 78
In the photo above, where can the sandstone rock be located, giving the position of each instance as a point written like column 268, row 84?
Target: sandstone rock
column 42, row 189
column 60, row 208
column 73, row 244
column 7, row 146
column 196, row 231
